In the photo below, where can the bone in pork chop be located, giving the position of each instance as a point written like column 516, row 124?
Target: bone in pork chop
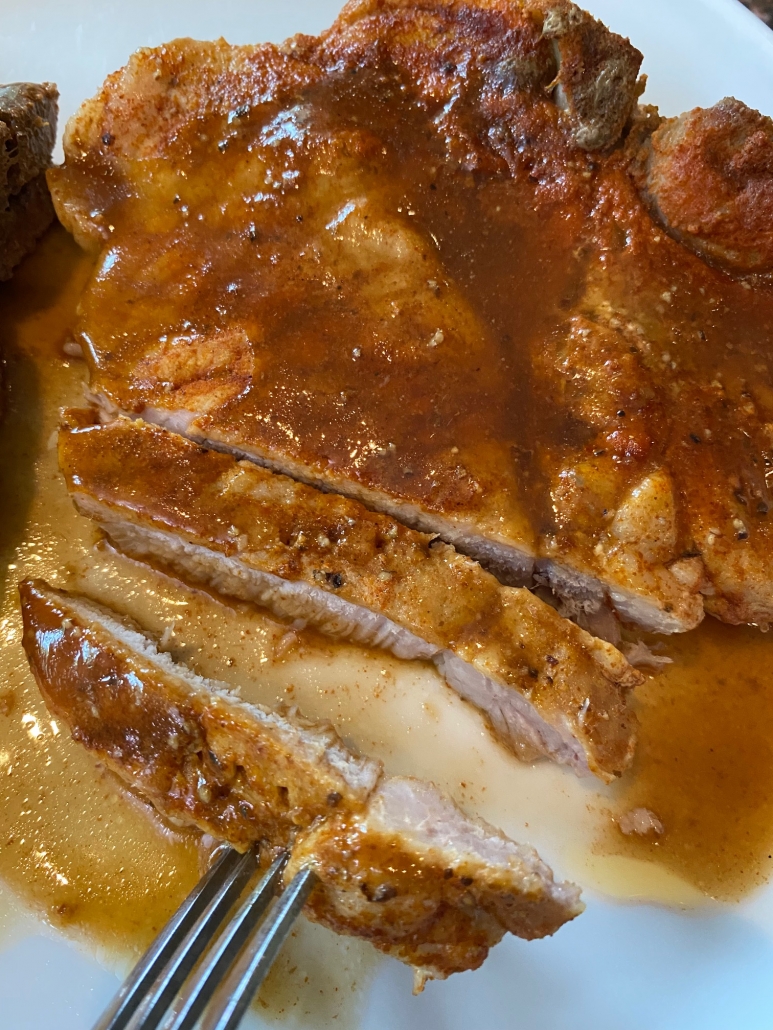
column 399, row 864
column 416, row 260
column 546, row 686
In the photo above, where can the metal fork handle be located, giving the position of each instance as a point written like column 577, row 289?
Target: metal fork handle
column 195, row 995
column 229, row 870
column 162, row 991
column 233, row 996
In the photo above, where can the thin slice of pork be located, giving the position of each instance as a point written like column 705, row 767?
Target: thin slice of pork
column 370, row 861
column 412, row 873
column 238, row 771
column 546, row 686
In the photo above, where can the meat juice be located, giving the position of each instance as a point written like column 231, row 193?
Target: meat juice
column 101, row 865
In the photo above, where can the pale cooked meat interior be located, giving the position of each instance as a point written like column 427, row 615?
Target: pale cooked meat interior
column 437, row 259
column 439, row 889
column 546, row 686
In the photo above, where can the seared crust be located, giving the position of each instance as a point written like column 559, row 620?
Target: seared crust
column 590, row 71
column 539, row 45
column 709, row 178
column 380, row 262
column 137, row 475
column 203, row 757
column 27, row 135
column 412, row 873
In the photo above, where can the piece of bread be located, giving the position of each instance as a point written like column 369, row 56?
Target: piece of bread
column 27, row 135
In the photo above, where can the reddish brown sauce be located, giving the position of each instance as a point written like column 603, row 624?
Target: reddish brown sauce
column 89, row 858
column 498, row 234
column 704, row 762
column 704, row 765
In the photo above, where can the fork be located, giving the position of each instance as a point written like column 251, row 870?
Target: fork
column 204, row 964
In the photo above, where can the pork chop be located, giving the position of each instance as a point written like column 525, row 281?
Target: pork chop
column 28, row 115
column 412, row 873
column 546, row 686
column 414, row 261
column 238, row 771
column 417, row 861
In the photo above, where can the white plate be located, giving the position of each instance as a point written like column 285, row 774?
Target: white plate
column 619, row 966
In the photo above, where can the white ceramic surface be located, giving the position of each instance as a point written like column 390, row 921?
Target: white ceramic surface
column 619, row 967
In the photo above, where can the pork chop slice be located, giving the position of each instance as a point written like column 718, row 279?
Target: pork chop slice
column 370, row 860
column 239, row 771
column 322, row 199
column 546, row 686
column 441, row 888
column 414, row 261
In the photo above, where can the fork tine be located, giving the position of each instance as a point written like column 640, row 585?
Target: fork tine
column 159, row 994
column 236, row 991
column 203, row 983
column 132, row 992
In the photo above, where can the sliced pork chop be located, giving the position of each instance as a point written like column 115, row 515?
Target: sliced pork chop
column 546, row 686
column 238, row 771
column 413, row 261
column 438, row 890
column 370, row 861
column 314, row 311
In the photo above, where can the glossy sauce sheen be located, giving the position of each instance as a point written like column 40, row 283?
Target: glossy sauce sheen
column 459, row 268
column 704, row 761
column 101, row 865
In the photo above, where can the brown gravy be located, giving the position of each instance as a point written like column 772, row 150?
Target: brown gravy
column 704, row 762
column 454, row 310
column 90, row 858
column 102, row 865
column 79, row 852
